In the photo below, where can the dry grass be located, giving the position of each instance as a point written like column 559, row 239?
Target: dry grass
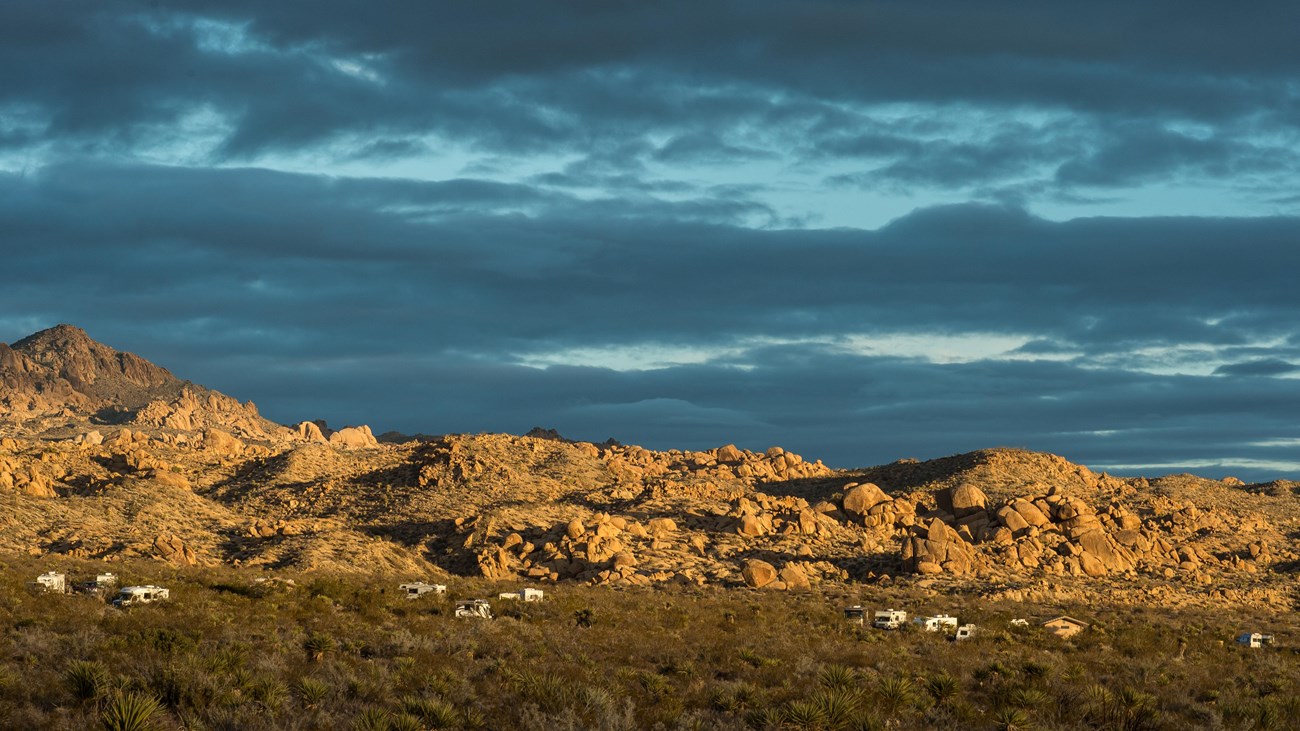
column 353, row 653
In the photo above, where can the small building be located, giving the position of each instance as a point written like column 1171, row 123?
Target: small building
column 52, row 582
column 940, row 623
column 857, row 614
column 417, row 589
column 526, row 594
column 1254, row 640
column 477, row 608
column 966, row 631
column 1064, row 627
column 889, row 619
column 132, row 595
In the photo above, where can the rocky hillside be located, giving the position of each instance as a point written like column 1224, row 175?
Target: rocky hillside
column 60, row 377
column 167, row 482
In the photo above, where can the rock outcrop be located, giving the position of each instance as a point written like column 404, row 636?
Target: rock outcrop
column 353, row 437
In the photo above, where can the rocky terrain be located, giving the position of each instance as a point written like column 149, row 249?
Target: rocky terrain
column 107, row 456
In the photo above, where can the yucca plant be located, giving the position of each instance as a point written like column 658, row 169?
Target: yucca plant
column 318, row 645
column 942, row 687
column 312, row 691
column 839, row 706
column 654, row 684
column 129, row 712
column 433, row 712
column 764, row 719
column 1012, row 719
column 406, row 722
column 804, row 715
column 894, row 695
column 86, row 679
column 838, row 677
column 372, row 719
column 1027, row 698
column 269, row 692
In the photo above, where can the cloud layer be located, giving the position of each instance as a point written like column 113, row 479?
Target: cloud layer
column 861, row 231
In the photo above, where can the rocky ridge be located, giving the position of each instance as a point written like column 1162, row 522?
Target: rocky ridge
column 193, row 477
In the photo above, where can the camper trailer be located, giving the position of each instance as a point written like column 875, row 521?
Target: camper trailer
column 527, row 595
column 889, row 619
column 52, row 582
column 1254, row 640
column 478, row 608
column 132, row 595
column 417, row 589
column 965, row 632
column 940, row 623
column 857, row 614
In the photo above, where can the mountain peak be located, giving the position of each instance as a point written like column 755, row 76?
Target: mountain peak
column 93, row 368
column 63, row 371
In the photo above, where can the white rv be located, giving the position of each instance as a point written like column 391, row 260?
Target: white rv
column 1254, row 640
column 856, row 614
column 133, row 595
column 889, row 619
column 527, row 595
column 940, row 623
column 478, row 608
column 966, row 631
column 52, row 582
column 417, row 589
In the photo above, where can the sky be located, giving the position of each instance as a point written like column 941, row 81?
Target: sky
column 864, row 231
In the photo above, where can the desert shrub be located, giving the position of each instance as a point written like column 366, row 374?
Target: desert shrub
column 432, row 712
column 129, row 712
column 894, row 695
column 1012, row 719
column 838, row 707
column 941, row 686
column 838, row 677
column 318, row 645
column 311, row 692
column 86, row 679
column 405, row 722
column 270, row 693
column 372, row 719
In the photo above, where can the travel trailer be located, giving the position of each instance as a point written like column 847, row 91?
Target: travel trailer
column 527, row 595
column 417, row 589
column 856, row 614
column 52, row 582
column 478, row 608
column 965, row 632
column 889, row 619
column 130, row 596
column 941, row 623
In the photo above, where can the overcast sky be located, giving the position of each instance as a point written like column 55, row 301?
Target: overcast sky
column 863, row 231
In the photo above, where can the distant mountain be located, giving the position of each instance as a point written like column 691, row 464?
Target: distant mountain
column 61, row 374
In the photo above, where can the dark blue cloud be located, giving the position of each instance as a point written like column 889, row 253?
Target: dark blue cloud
column 630, row 183
column 417, row 306
column 1263, row 367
